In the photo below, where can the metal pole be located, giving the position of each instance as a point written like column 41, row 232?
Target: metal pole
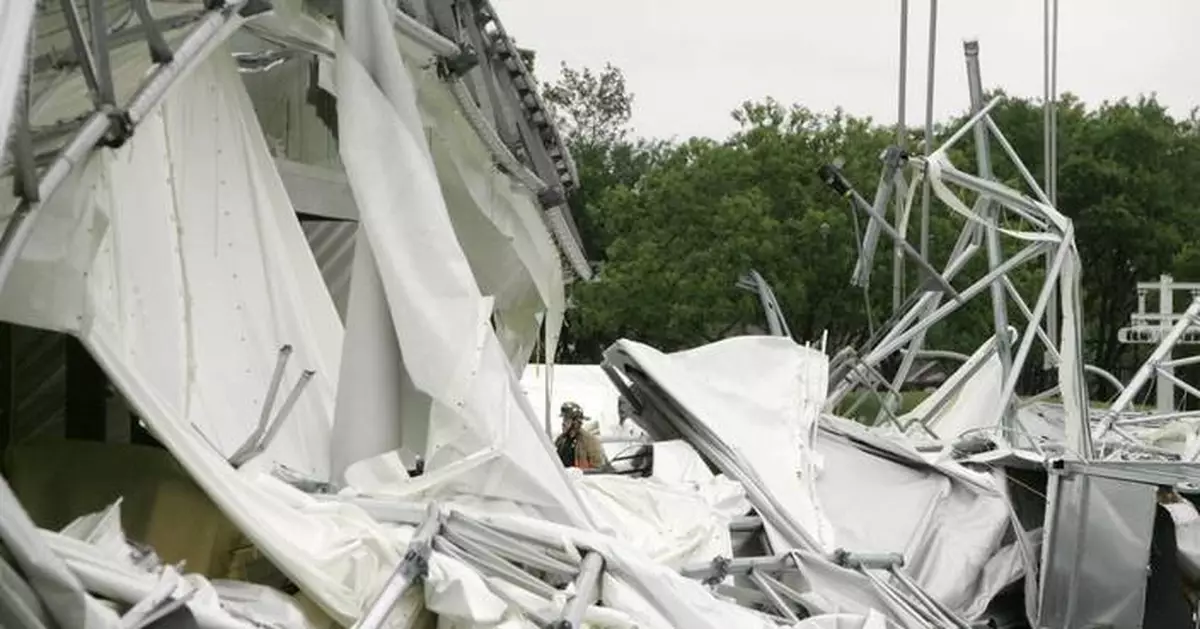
column 1190, row 317
column 1039, row 309
column 902, row 142
column 925, row 190
column 413, row 567
column 1050, row 63
column 991, row 214
column 1165, row 387
column 587, row 591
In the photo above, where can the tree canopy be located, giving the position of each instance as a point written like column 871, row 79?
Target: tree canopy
column 672, row 226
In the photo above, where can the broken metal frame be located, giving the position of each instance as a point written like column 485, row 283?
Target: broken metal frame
column 476, row 43
column 1055, row 240
column 108, row 124
column 669, row 418
column 1158, row 363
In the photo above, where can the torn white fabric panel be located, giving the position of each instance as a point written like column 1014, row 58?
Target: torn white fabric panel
column 16, row 23
column 110, row 578
column 761, row 396
column 370, row 414
column 202, row 274
column 947, row 531
column 477, row 192
column 60, row 590
column 673, row 524
column 676, row 461
column 483, row 438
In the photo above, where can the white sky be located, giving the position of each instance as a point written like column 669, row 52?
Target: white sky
column 690, row 62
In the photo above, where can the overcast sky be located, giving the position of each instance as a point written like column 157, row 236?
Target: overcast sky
column 690, row 62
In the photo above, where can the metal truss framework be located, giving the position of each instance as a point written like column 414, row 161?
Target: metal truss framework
column 110, row 123
column 663, row 418
column 544, row 568
column 524, row 143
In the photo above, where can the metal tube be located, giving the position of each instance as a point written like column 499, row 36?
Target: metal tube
column 412, row 569
column 286, row 409
column 1017, row 260
column 1181, row 362
column 968, row 125
column 160, row 52
column 871, row 212
column 776, row 601
column 1039, row 310
column 990, row 213
column 587, row 591
column 520, row 551
column 902, row 142
column 933, row 604
column 83, row 52
column 99, row 39
column 925, row 191
column 1187, row 388
column 1016, row 160
column 264, row 415
column 498, row 569
column 1148, row 368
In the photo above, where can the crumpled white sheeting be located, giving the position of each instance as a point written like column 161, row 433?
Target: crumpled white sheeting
column 1187, row 536
column 674, row 524
column 761, row 396
column 947, row 532
column 59, row 589
column 16, row 20
column 483, row 440
column 197, row 272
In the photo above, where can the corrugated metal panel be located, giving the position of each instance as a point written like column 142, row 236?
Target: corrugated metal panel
column 332, row 243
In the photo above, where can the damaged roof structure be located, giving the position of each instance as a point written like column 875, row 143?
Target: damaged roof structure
column 270, row 273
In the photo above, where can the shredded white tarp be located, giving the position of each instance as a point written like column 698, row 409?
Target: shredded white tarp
column 761, row 396
column 61, row 592
column 675, row 524
column 16, row 22
column 483, row 441
column 947, row 531
column 194, row 273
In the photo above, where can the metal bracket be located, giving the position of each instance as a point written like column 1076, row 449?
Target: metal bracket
column 451, row 67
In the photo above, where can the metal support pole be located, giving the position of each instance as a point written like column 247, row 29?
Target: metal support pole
column 902, row 142
column 587, row 592
column 1051, row 139
column 1039, row 310
column 925, row 190
column 776, row 600
column 105, row 93
column 411, row 570
column 991, row 213
column 83, row 52
column 1190, row 317
column 1165, row 388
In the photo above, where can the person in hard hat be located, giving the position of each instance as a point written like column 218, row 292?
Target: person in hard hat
column 577, row 447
